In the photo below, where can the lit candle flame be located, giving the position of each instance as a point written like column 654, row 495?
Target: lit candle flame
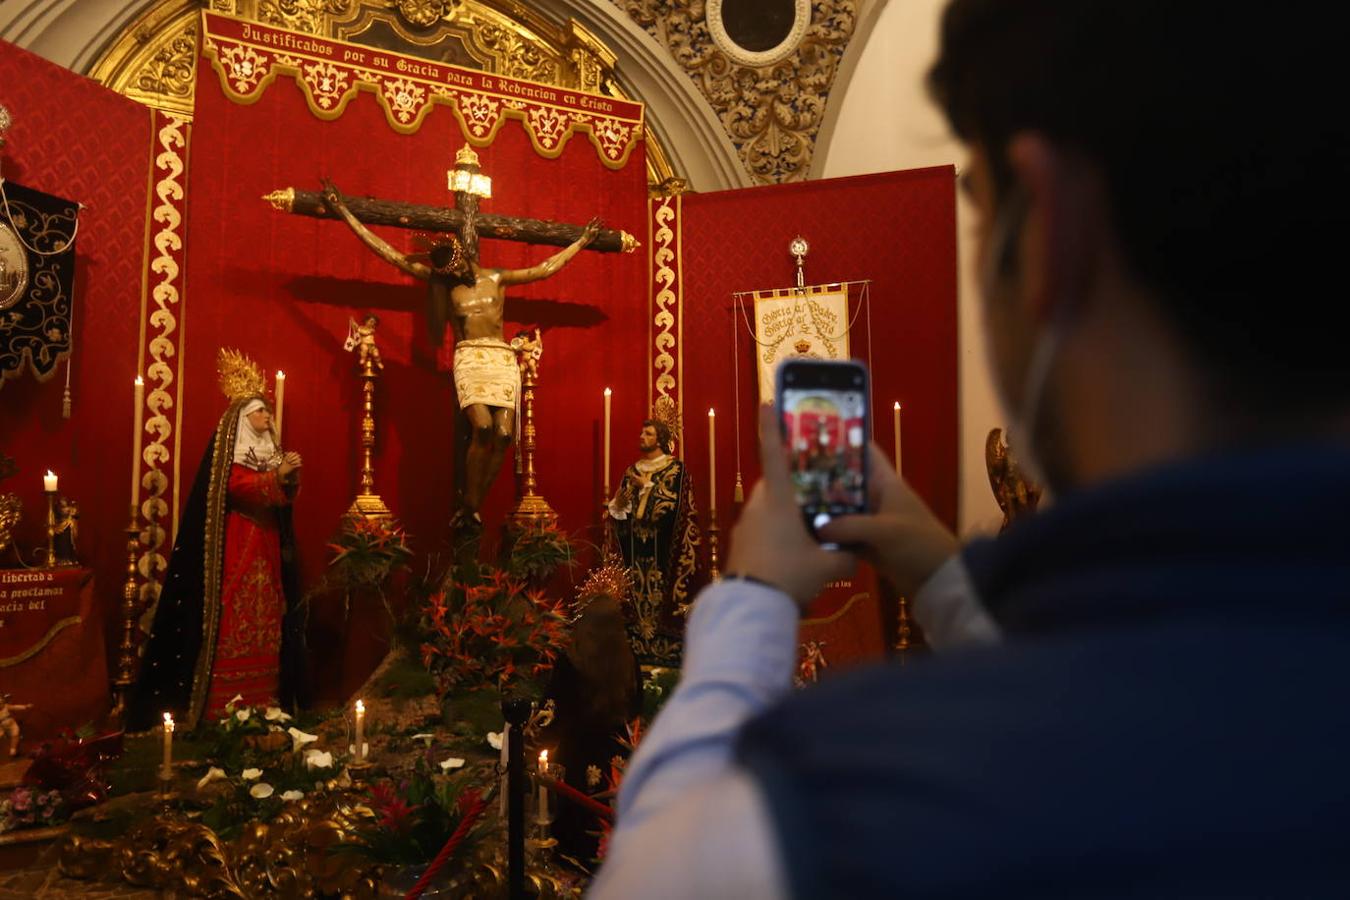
column 897, row 404
column 360, row 707
column 140, row 382
column 168, row 722
column 281, row 375
column 711, row 412
column 607, row 392
column 543, row 759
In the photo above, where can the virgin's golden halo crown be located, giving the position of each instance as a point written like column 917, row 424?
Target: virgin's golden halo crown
column 240, row 377
column 466, row 156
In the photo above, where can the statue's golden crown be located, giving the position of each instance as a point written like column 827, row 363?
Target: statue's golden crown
column 240, row 377
column 665, row 412
column 466, row 156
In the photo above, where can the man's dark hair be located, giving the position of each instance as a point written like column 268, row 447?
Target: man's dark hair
column 664, row 439
column 1224, row 149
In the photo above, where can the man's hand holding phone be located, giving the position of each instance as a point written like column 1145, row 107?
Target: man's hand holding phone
column 901, row 537
column 770, row 542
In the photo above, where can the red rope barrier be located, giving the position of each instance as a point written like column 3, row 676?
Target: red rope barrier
column 562, row 789
column 471, row 815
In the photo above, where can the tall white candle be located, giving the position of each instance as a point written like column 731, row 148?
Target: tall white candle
column 168, row 744
column 360, row 731
column 138, row 428
column 897, row 436
column 542, row 813
column 281, row 400
column 605, row 479
column 712, row 462
column 49, row 482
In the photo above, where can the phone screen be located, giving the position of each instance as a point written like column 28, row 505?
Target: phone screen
column 823, row 409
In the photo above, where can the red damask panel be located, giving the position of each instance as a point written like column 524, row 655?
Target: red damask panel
column 74, row 138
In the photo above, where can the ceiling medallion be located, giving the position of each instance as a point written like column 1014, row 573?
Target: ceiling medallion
column 727, row 19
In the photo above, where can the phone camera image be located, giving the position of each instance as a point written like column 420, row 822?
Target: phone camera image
column 825, row 429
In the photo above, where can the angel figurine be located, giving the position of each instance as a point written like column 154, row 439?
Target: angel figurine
column 529, row 347
column 361, row 338
column 9, row 726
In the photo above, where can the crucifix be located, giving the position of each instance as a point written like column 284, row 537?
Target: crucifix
column 470, row 297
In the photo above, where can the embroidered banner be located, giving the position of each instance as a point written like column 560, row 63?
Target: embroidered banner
column 812, row 323
column 248, row 57
column 160, row 358
column 665, row 324
column 37, row 271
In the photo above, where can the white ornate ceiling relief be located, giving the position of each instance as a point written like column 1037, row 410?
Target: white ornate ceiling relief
column 771, row 101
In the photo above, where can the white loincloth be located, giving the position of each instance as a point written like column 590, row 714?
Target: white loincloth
column 486, row 372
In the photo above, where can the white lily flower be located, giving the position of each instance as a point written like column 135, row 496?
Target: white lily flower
column 251, row 774
column 261, row 791
column 300, row 738
column 235, row 699
column 243, row 714
column 318, row 759
column 453, row 762
column 212, row 774
column 424, row 737
column 293, row 795
column 276, row 714
column 495, row 740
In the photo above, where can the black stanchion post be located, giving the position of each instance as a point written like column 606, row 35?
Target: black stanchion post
column 517, row 713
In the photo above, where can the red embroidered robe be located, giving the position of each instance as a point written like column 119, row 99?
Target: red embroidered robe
column 252, row 603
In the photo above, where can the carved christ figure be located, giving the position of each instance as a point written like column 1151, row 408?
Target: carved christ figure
column 473, row 299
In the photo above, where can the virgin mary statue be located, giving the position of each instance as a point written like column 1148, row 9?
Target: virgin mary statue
column 227, row 623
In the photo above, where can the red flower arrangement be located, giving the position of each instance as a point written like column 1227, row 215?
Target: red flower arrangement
column 476, row 635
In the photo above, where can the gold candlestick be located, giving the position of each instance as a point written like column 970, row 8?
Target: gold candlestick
column 367, row 502
column 51, row 528
column 126, row 650
column 714, row 562
column 903, row 630
column 532, row 508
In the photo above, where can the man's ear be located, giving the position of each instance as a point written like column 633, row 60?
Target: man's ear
column 1062, row 220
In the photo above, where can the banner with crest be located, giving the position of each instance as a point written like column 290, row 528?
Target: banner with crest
column 37, row 274
column 810, row 322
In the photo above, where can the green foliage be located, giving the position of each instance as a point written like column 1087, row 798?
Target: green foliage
column 656, row 690
column 413, row 820
column 536, row 551
column 367, row 552
column 406, row 679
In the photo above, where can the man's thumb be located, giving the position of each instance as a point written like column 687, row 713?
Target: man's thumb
column 852, row 530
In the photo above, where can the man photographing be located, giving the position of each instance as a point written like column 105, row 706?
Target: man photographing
column 1159, row 194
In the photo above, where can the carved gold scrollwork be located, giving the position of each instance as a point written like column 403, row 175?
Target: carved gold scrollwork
column 154, row 59
column 772, row 113
column 302, row 15
column 423, row 13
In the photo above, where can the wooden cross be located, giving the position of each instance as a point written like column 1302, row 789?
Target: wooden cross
column 463, row 218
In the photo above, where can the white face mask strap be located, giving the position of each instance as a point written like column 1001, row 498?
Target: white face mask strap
column 1023, row 418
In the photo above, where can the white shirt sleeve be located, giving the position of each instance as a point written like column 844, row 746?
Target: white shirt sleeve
column 690, row 823
column 949, row 611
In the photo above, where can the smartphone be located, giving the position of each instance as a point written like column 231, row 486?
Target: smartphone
column 823, row 413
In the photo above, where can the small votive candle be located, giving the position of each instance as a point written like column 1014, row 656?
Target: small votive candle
column 360, row 731
column 168, row 745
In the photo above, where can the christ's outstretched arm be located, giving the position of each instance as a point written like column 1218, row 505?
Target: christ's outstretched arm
column 554, row 262
column 333, row 198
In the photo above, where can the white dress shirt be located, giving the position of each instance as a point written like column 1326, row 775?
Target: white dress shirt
column 691, row 823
